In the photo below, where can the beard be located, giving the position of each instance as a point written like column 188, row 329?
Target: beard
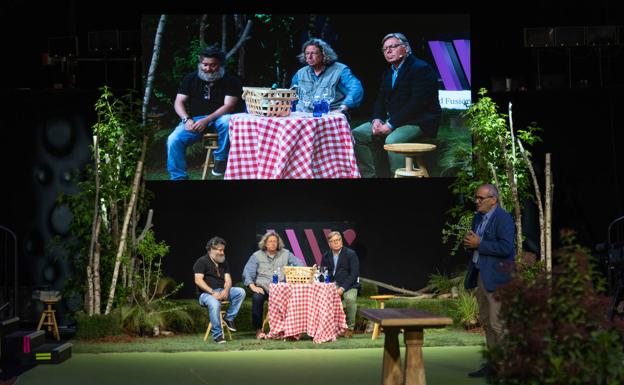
column 217, row 259
column 210, row 77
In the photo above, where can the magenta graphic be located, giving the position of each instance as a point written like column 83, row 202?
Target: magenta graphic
column 308, row 241
column 453, row 63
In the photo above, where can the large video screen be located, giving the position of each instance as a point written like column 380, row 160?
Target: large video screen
column 277, row 96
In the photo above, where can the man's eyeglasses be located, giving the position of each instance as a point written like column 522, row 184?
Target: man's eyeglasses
column 479, row 199
column 335, row 240
column 391, row 47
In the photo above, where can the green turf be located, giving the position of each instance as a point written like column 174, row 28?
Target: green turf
column 247, row 341
column 443, row 366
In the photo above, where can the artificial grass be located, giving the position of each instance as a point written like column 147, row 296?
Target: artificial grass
column 246, row 341
column 443, row 366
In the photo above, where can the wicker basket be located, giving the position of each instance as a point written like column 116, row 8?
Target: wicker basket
column 268, row 102
column 299, row 274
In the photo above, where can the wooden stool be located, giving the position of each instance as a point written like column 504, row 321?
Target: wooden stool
column 210, row 144
column 413, row 152
column 380, row 304
column 48, row 319
column 223, row 324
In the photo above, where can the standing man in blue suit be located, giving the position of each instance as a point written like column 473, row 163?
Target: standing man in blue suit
column 344, row 270
column 491, row 245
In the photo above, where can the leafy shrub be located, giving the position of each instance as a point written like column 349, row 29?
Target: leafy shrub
column 558, row 328
column 465, row 309
column 97, row 326
column 442, row 284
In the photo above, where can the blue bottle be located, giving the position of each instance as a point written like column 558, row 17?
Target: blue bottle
column 275, row 276
column 317, row 112
column 293, row 106
column 326, row 278
column 324, row 107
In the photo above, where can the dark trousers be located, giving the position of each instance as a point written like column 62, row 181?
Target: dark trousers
column 257, row 309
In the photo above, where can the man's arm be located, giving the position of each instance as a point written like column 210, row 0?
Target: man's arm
column 199, row 281
column 249, row 275
column 229, row 103
column 227, row 285
column 354, row 271
column 180, row 109
column 352, row 88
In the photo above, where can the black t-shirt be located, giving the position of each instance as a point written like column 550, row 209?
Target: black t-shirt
column 207, row 97
column 213, row 277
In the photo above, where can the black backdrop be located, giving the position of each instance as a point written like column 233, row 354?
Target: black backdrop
column 583, row 129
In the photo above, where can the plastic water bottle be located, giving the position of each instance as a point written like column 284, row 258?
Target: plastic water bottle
column 293, row 106
column 326, row 278
column 324, row 107
column 317, row 111
column 275, row 276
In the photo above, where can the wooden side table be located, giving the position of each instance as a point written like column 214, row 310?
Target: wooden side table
column 380, row 305
column 48, row 319
column 413, row 152
column 413, row 322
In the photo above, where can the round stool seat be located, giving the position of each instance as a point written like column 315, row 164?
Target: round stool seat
column 412, row 152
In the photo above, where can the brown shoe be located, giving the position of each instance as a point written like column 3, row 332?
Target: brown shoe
column 258, row 333
column 348, row 333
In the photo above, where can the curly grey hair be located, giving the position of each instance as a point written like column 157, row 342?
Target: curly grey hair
column 265, row 237
column 329, row 55
column 401, row 37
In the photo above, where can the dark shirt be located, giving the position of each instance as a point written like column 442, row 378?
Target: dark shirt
column 206, row 97
column 215, row 278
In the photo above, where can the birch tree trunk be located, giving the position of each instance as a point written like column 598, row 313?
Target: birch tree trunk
column 153, row 64
column 126, row 222
column 241, row 40
column 538, row 198
column 223, row 32
column 97, row 292
column 509, row 168
column 94, row 228
column 548, row 197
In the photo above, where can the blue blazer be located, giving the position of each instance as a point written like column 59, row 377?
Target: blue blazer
column 496, row 251
column 413, row 99
column 347, row 268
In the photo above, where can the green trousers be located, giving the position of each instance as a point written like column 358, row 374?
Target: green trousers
column 372, row 159
column 349, row 301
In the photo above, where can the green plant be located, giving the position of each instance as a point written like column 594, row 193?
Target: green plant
column 367, row 289
column 465, row 309
column 494, row 159
column 149, row 307
column 97, row 326
column 443, row 284
column 558, row 327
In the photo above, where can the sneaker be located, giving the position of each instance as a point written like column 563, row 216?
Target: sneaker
column 219, row 167
column 219, row 339
column 348, row 333
column 230, row 325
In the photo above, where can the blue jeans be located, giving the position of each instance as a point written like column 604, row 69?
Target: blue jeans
column 237, row 295
column 180, row 139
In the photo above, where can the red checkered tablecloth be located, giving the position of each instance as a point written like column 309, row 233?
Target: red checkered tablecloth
column 298, row 146
column 312, row 308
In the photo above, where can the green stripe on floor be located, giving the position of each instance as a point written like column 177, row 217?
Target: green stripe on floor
column 443, row 365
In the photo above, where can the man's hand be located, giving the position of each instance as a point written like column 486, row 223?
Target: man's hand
column 376, row 124
column 200, row 125
column 225, row 294
column 384, row 130
column 188, row 126
column 340, row 291
column 216, row 295
column 472, row 240
column 256, row 289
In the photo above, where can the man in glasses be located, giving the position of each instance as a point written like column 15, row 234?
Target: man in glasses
column 205, row 100
column 344, row 270
column 406, row 108
column 491, row 246
column 325, row 77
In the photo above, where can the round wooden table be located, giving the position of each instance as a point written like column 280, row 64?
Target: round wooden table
column 413, row 152
column 380, row 305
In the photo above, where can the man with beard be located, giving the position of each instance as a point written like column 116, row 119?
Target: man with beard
column 213, row 281
column 407, row 108
column 211, row 96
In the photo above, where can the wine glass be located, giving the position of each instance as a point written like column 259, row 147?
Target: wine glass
column 305, row 99
column 328, row 94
